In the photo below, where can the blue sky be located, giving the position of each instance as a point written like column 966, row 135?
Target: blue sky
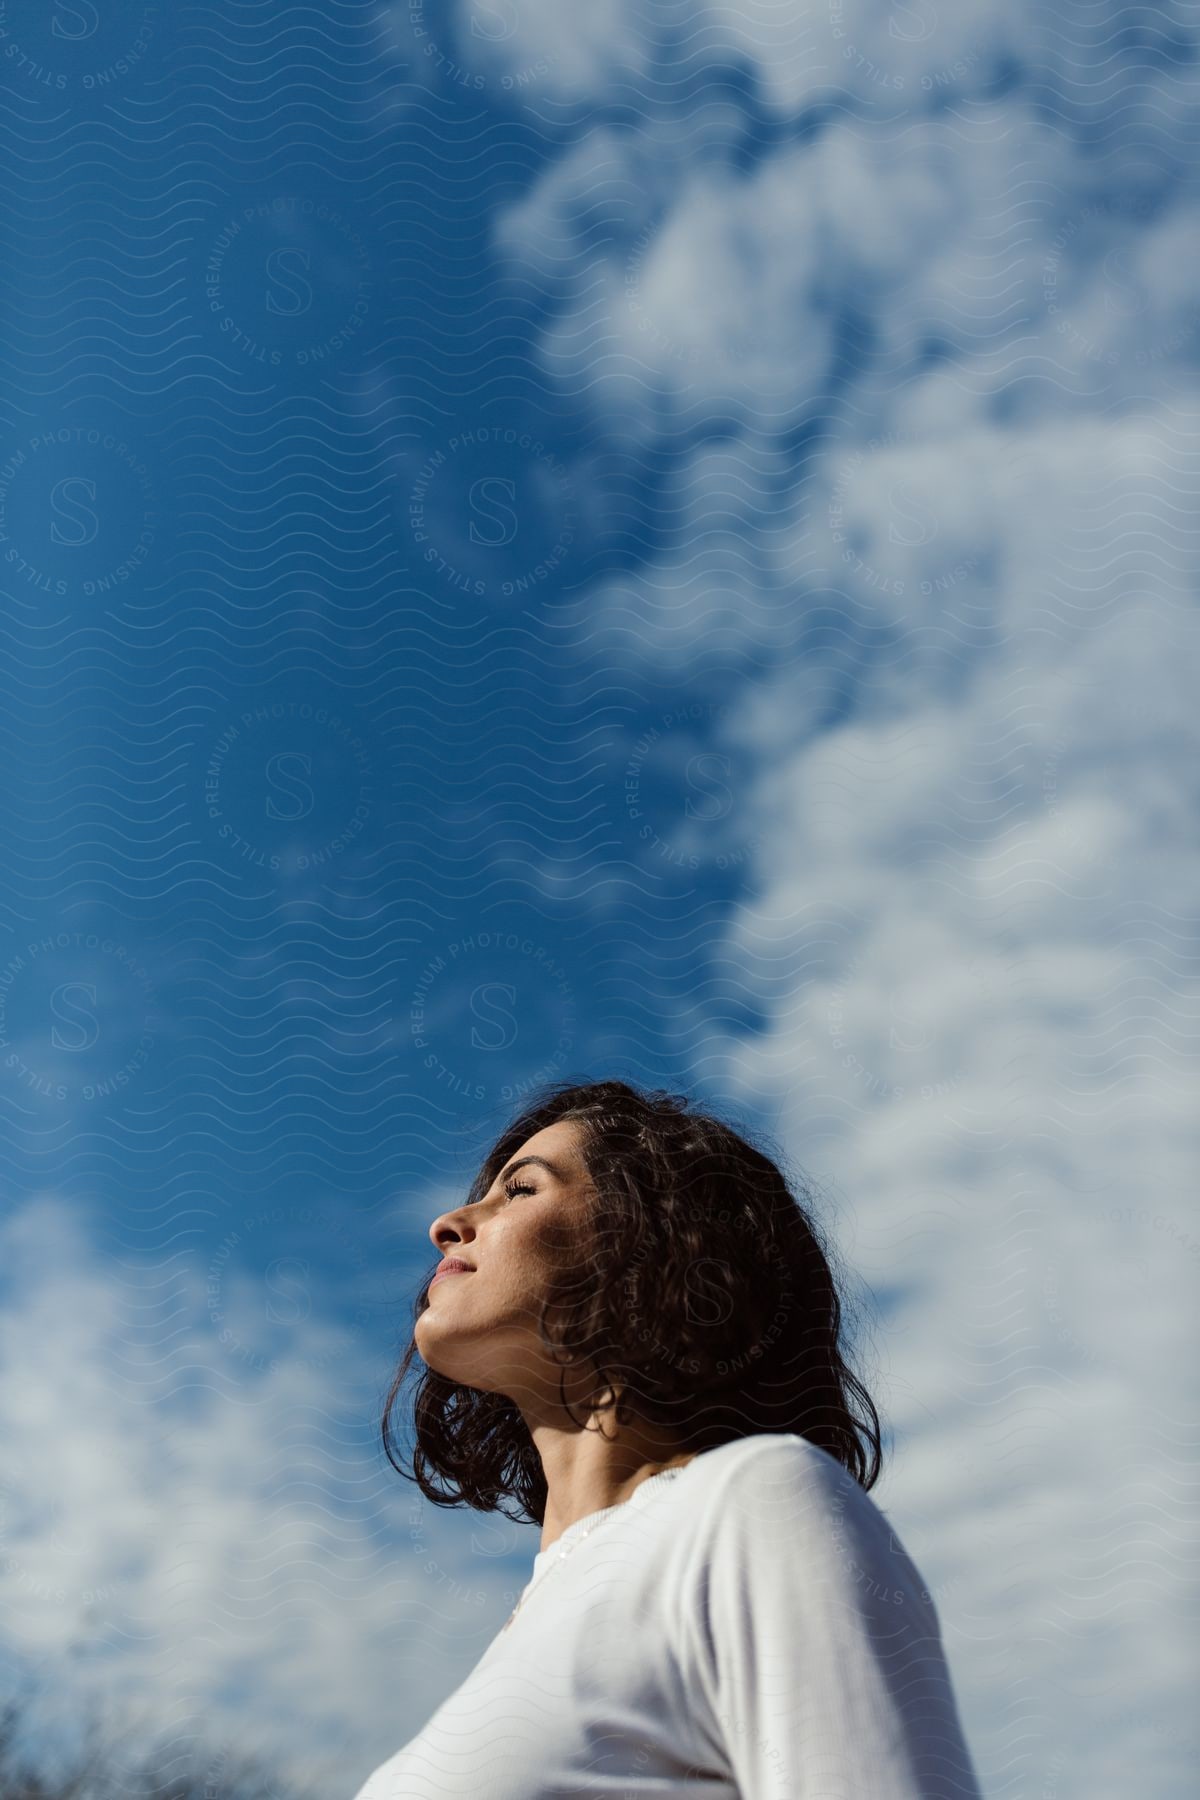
column 632, row 539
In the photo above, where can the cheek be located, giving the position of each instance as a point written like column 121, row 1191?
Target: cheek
column 517, row 1263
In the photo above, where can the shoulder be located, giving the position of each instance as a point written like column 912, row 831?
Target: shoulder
column 774, row 1470
column 806, row 1637
column 777, row 1502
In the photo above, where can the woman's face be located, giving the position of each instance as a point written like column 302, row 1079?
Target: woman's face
column 481, row 1328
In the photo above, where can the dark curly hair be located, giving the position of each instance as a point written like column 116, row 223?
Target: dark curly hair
column 703, row 1296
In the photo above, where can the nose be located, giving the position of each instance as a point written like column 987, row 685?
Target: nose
column 451, row 1228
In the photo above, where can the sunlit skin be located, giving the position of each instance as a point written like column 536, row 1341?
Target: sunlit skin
column 481, row 1329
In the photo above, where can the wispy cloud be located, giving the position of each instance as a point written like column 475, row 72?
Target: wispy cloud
column 962, row 614
column 213, row 1534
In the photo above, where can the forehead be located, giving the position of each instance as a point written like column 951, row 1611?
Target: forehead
column 559, row 1142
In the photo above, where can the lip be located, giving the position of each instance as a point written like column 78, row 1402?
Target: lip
column 452, row 1268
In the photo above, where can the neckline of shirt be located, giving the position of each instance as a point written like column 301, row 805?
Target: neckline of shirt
column 592, row 1519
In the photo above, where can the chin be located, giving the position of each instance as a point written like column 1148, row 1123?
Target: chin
column 429, row 1343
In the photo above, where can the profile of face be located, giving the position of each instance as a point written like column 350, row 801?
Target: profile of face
column 480, row 1328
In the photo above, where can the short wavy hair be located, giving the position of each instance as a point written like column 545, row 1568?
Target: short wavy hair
column 702, row 1293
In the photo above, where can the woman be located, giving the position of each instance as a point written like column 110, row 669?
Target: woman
column 636, row 1337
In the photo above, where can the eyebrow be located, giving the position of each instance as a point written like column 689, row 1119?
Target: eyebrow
column 553, row 1168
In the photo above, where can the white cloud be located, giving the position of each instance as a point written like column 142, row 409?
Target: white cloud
column 884, row 57
column 976, row 1017
column 716, row 297
column 219, row 1541
column 800, row 51
column 967, row 945
column 970, row 953
column 574, row 50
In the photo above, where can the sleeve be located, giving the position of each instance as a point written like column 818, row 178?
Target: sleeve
column 814, row 1651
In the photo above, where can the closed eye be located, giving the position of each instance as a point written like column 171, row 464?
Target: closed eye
column 513, row 1188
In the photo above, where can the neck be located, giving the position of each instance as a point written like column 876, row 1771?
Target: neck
column 587, row 1471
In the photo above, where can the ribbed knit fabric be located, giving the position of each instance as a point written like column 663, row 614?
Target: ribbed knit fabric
column 747, row 1627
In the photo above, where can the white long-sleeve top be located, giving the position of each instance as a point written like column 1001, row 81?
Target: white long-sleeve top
column 745, row 1627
